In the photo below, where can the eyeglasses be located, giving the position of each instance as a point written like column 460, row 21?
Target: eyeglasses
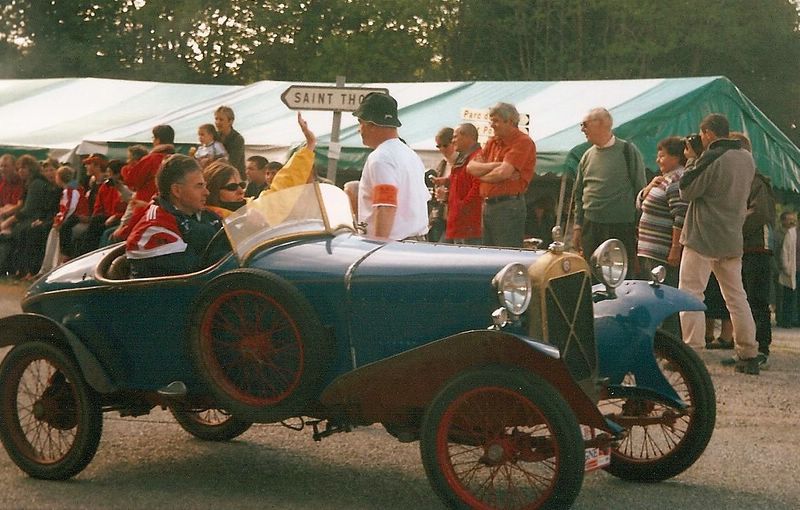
column 234, row 186
column 585, row 123
column 440, row 145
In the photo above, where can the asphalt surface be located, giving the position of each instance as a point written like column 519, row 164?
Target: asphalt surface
column 149, row 462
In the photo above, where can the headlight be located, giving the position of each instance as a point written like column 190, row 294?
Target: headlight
column 610, row 263
column 513, row 288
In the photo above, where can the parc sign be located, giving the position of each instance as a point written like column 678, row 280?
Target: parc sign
column 338, row 99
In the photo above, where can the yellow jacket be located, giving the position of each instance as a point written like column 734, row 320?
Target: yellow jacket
column 296, row 171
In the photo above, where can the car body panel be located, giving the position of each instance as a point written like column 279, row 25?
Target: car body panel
column 379, row 298
column 19, row 328
column 625, row 327
column 397, row 389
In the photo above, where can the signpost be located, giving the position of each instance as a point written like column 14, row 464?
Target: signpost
column 337, row 99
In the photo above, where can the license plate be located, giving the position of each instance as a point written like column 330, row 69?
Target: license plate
column 595, row 458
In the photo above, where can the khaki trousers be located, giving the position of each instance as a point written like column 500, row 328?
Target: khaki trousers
column 695, row 270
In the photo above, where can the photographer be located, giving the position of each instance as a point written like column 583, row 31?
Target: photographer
column 717, row 185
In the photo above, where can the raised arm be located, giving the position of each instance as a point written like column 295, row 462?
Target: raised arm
column 311, row 139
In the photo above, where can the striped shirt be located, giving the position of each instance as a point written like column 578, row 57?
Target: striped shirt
column 662, row 211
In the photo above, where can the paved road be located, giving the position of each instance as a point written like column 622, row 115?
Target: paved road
column 149, row 462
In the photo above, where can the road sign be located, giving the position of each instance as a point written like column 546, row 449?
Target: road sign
column 341, row 99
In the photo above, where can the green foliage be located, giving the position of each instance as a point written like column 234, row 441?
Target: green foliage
column 755, row 44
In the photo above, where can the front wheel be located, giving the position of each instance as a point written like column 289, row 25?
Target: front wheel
column 498, row 437
column 662, row 441
column 50, row 420
column 211, row 424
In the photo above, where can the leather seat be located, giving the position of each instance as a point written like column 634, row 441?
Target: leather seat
column 120, row 269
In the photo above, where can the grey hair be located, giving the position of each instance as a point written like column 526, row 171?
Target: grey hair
column 507, row 112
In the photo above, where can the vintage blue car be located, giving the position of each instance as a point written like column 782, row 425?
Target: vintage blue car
column 515, row 375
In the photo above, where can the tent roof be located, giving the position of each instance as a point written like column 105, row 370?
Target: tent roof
column 62, row 113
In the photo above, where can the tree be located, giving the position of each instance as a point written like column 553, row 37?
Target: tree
column 756, row 45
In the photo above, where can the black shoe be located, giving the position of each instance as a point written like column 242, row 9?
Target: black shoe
column 729, row 362
column 763, row 361
column 749, row 366
column 720, row 344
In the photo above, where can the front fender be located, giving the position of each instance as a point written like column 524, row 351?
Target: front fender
column 398, row 389
column 25, row 327
column 625, row 327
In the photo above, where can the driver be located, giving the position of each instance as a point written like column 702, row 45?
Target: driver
column 175, row 229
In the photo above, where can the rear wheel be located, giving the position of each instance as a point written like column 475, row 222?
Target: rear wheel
column 663, row 441
column 50, row 420
column 501, row 438
column 211, row 424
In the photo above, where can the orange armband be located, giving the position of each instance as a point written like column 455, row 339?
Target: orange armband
column 384, row 194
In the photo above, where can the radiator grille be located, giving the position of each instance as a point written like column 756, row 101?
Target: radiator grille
column 570, row 322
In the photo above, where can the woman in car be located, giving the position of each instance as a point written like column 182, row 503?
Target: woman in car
column 225, row 188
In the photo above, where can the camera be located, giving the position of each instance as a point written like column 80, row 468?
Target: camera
column 694, row 142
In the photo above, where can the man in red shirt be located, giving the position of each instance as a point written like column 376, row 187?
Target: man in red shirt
column 463, row 199
column 141, row 175
column 107, row 201
column 505, row 167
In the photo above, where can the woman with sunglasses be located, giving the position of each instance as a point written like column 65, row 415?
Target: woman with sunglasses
column 225, row 188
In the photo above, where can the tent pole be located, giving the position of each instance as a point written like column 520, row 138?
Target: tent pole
column 561, row 201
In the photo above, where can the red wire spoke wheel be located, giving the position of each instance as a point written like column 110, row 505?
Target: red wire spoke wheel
column 210, row 424
column 50, row 420
column 258, row 345
column 663, row 441
column 253, row 347
column 501, row 438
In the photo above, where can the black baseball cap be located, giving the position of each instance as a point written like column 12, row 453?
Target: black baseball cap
column 378, row 108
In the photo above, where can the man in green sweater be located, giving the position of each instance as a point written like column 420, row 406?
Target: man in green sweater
column 610, row 175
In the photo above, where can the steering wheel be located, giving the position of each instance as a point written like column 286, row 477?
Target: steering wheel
column 214, row 249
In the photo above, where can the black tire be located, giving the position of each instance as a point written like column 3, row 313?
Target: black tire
column 662, row 442
column 50, row 419
column 258, row 345
column 211, row 424
column 503, row 425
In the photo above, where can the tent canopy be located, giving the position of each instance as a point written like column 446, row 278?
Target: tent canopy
column 95, row 114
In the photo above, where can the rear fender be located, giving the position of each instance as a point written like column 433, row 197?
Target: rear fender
column 398, row 389
column 27, row 327
column 625, row 327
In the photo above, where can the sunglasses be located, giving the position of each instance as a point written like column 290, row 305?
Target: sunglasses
column 234, row 186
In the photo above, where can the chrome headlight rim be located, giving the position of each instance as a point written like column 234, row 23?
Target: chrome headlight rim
column 513, row 287
column 609, row 263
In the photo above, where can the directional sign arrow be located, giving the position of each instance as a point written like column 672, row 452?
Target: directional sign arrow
column 343, row 99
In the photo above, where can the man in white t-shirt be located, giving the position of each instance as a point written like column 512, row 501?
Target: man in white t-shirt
column 392, row 195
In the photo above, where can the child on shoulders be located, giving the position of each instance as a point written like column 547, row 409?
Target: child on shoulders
column 210, row 147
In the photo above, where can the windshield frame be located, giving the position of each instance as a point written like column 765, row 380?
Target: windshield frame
column 332, row 214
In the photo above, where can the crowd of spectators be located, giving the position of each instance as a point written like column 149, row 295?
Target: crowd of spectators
column 51, row 213
column 694, row 217
column 707, row 216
